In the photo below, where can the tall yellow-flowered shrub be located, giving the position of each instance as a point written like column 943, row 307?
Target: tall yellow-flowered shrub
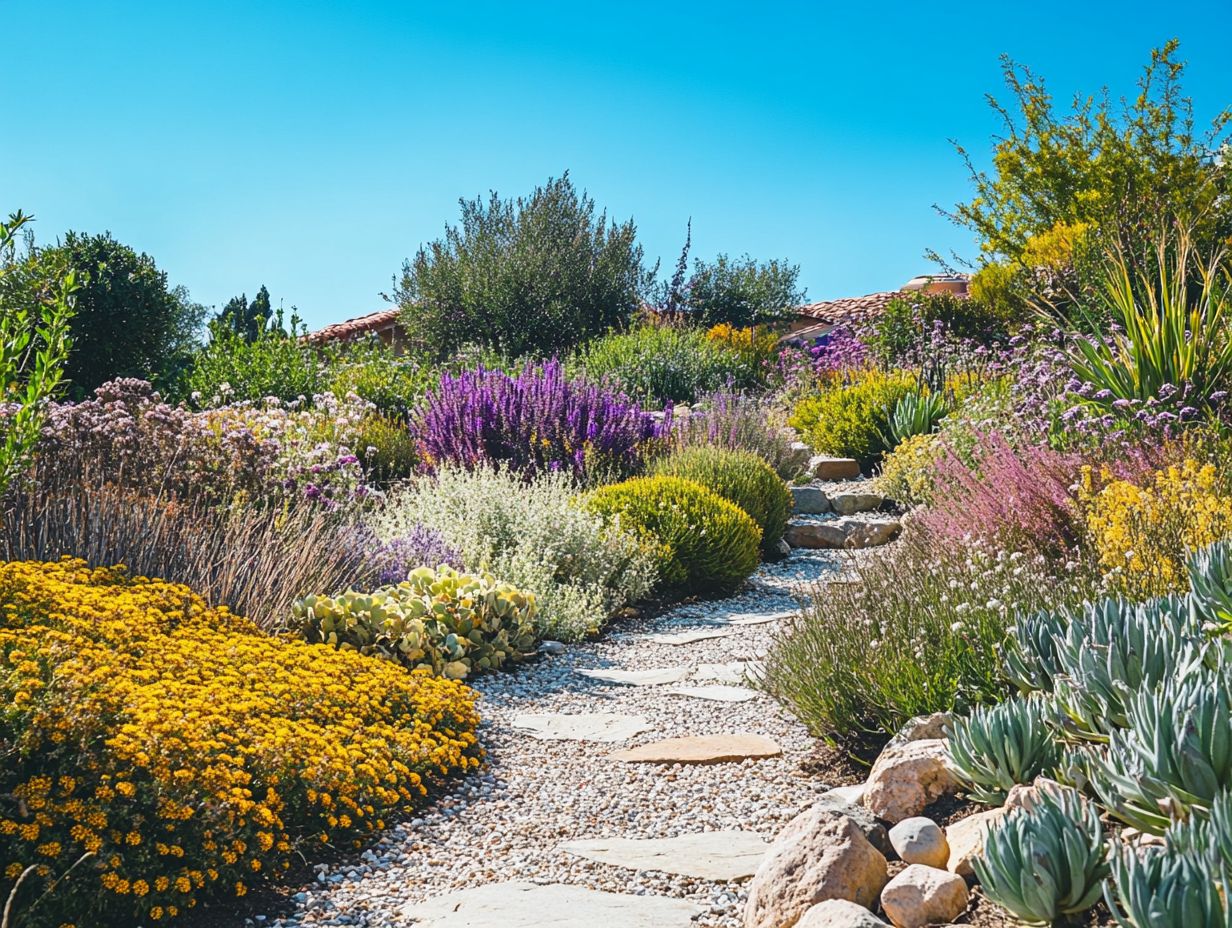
column 1142, row 533
column 155, row 752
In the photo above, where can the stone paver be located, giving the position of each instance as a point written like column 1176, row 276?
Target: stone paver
column 690, row 637
column 708, row 855
column 717, row 691
column 527, row 905
column 701, row 749
column 591, row 726
column 655, row 677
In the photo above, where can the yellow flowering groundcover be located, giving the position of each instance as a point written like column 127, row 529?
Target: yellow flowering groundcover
column 155, row 751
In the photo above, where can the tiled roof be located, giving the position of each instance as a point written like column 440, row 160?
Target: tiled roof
column 351, row 328
column 851, row 309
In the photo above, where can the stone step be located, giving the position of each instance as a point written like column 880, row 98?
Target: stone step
column 843, row 533
column 712, row 855
column 655, row 677
column 809, row 500
column 716, row 691
column 824, row 467
column 850, row 503
column 517, row 904
column 701, row 749
column 604, row 727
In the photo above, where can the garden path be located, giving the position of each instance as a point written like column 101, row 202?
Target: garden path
column 489, row 853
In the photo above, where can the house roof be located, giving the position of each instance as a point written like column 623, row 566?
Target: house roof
column 353, row 328
column 850, row 309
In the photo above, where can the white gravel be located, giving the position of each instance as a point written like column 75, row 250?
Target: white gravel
column 505, row 822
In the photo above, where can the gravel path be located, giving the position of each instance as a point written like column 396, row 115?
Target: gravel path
column 505, row 822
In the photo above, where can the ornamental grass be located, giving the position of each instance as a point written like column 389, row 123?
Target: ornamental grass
column 157, row 753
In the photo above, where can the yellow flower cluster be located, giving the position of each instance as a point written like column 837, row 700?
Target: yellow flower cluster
column 756, row 343
column 163, row 750
column 1142, row 534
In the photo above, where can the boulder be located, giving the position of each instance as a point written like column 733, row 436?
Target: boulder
column 1022, row 796
column 798, row 458
column 853, row 794
column 920, row 896
column 810, row 500
column 965, row 839
column 906, row 778
column 817, row 857
column 824, row 467
column 838, row 913
column 920, row 840
column 922, row 727
column 848, row 504
column 871, row 533
column 835, row 802
column 816, row 535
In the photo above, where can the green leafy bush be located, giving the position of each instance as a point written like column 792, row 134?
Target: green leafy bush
column 850, row 420
column 742, row 292
column 1045, row 863
column 371, row 370
column 276, row 363
column 533, row 534
column 450, row 623
column 895, row 336
column 704, row 543
column 740, row 477
column 660, row 363
column 998, row 746
column 386, row 447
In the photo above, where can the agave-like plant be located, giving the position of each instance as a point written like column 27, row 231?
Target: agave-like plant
column 1114, row 649
column 1163, row 887
column 1174, row 758
column 916, row 413
column 1210, row 583
column 1029, row 656
column 1046, row 862
column 1210, row 834
column 998, row 746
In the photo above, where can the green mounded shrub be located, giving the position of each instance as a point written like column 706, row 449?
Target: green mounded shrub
column 451, row 623
column 535, row 535
column 372, row 371
column 999, row 746
column 907, row 471
column 657, row 364
column 851, row 420
column 741, row 477
column 386, row 447
column 1047, row 862
column 704, row 543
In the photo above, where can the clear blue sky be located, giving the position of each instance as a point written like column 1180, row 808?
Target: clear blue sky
column 311, row 146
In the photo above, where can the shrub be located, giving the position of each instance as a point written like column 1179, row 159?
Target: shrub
column 161, row 752
column 531, row 534
column 916, row 631
column 758, row 345
column 743, row 292
column 999, row 746
column 392, row 561
column 1045, row 863
column 1141, row 534
column 437, row 619
column 898, row 333
column 393, row 383
column 540, row 274
column 230, row 368
column 386, row 448
column 851, row 420
column 659, row 364
column 907, row 471
column 739, row 422
column 740, row 477
column 704, row 543
column 533, row 422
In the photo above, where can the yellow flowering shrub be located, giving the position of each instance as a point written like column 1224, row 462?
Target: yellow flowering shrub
column 907, row 471
column 1141, row 533
column 757, row 344
column 159, row 751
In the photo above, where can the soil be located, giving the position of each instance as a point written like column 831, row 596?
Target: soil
column 840, row 766
column 950, row 809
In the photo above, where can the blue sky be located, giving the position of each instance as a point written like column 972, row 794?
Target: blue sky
column 312, row 146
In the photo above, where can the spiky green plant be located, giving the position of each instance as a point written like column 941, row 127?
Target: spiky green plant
column 1175, row 756
column 1029, row 655
column 1162, row 887
column 1047, row 862
column 998, row 746
column 1209, row 834
column 916, row 413
column 1210, row 582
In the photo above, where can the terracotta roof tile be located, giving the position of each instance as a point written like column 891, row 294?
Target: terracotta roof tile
column 352, row 328
column 851, row 309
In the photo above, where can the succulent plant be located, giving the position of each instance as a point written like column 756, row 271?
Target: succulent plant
column 1045, row 862
column 1030, row 652
column 1162, row 887
column 1174, row 758
column 996, row 747
column 450, row 623
column 1210, row 833
column 1210, row 582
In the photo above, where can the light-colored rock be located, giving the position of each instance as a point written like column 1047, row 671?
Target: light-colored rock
column 782, row 547
column 1022, row 796
column 809, row 500
column 654, row 677
column 871, row 533
column 965, row 839
column 920, row 840
column 717, row 691
column 920, row 896
column 799, row 456
column 555, row 905
column 815, row 858
column 734, row 672
column 839, row 913
column 759, row 618
column 832, row 803
column 678, row 638
column 853, row 794
column 848, row 504
column 593, row 726
column 922, row 727
column 816, row 535
column 824, row 467
column 551, row 647
column 906, row 778
column 701, row 749
column 710, row 855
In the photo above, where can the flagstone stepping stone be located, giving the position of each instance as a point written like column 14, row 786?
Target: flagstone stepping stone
column 711, row 855
column 690, row 637
column 717, row 692
column 733, row 672
column 759, row 618
column 517, row 904
column 593, row 726
column 654, row 677
column 701, row 749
